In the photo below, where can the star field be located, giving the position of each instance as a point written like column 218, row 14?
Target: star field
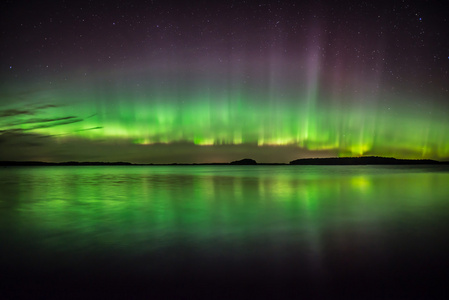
column 159, row 81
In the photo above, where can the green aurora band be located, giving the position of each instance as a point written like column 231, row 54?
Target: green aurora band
column 310, row 120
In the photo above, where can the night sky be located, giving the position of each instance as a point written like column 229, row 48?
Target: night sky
column 211, row 81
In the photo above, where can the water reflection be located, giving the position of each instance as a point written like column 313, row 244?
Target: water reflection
column 306, row 221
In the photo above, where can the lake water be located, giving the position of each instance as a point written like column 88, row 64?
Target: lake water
column 356, row 232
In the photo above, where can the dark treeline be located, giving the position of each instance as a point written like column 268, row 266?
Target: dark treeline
column 68, row 163
column 366, row 160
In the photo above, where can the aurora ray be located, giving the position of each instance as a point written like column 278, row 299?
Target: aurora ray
column 299, row 85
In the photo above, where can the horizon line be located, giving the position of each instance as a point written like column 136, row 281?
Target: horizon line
column 245, row 161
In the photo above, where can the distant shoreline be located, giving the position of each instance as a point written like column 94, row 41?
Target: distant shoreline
column 367, row 160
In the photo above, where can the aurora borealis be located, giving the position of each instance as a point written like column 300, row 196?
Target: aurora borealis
column 153, row 81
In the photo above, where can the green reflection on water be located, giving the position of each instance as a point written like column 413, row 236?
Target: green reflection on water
column 144, row 209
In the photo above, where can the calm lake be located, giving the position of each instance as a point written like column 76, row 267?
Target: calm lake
column 363, row 232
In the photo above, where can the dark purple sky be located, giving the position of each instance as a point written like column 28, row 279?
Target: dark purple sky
column 367, row 58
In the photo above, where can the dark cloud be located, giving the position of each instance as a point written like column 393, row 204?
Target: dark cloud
column 68, row 133
column 47, row 106
column 10, row 131
column 64, row 121
column 87, row 129
column 16, row 112
column 22, row 138
column 38, row 120
column 30, row 111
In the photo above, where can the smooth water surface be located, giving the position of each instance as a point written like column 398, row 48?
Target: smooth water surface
column 351, row 231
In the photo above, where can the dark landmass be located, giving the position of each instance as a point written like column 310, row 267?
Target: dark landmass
column 68, row 163
column 245, row 161
column 366, row 160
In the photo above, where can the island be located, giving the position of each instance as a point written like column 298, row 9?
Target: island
column 364, row 160
column 245, row 161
